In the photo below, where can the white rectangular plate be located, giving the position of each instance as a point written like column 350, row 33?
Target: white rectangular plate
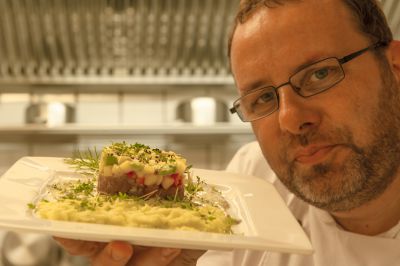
column 266, row 222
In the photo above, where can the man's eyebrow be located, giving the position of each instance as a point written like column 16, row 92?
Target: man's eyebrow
column 255, row 85
column 309, row 61
column 267, row 83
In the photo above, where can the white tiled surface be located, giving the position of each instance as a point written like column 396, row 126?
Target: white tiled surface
column 10, row 152
column 219, row 154
column 230, row 96
column 175, row 97
column 98, row 109
column 53, row 149
column 12, row 108
column 98, row 142
column 196, row 153
column 143, row 108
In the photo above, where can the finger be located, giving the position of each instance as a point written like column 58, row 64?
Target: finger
column 154, row 257
column 188, row 257
column 80, row 247
column 116, row 253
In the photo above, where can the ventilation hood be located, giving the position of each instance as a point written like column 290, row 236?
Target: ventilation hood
column 121, row 41
column 115, row 41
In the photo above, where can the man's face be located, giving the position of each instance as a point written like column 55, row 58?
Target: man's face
column 336, row 150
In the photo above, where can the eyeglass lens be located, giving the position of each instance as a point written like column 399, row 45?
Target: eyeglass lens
column 309, row 81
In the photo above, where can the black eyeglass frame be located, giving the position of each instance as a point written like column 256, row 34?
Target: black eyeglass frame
column 341, row 61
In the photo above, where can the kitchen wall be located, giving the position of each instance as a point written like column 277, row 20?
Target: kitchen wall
column 155, row 107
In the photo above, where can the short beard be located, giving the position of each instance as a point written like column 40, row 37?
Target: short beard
column 368, row 171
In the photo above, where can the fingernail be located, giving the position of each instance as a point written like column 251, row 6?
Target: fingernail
column 117, row 255
column 167, row 252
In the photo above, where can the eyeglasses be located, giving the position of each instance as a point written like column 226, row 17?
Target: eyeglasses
column 308, row 81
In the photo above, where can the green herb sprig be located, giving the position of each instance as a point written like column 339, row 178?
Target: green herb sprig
column 85, row 162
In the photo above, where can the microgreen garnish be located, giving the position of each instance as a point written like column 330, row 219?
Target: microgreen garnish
column 149, row 195
column 84, row 187
column 144, row 154
column 85, row 162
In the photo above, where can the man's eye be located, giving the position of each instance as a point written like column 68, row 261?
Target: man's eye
column 260, row 101
column 265, row 98
column 320, row 74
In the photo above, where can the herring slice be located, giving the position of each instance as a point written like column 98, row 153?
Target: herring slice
column 137, row 169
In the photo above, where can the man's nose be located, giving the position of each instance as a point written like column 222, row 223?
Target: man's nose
column 296, row 114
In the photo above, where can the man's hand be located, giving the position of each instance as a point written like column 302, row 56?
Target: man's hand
column 118, row 253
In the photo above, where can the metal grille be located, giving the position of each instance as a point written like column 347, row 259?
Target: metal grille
column 115, row 40
column 121, row 41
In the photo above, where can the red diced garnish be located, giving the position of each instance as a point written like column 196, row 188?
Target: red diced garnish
column 131, row 174
column 174, row 176
column 140, row 180
column 177, row 179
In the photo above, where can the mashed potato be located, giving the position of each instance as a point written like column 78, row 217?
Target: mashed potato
column 79, row 201
column 134, row 213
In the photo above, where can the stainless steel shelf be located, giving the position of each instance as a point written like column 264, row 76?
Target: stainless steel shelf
column 168, row 129
column 223, row 80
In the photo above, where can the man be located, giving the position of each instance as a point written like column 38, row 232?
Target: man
column 319, row 81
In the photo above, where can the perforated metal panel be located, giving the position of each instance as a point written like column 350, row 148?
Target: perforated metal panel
column 121, row 41
column 139, row 40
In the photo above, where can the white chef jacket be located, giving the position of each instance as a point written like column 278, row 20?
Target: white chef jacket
column 332, row 245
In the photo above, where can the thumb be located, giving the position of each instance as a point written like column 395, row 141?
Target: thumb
column 116, row 253
column 154, row 257
column 188, row 257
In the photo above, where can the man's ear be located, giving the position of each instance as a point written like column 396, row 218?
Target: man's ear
column 393, row 55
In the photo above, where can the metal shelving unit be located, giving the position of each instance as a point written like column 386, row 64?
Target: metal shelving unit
column 167, row 129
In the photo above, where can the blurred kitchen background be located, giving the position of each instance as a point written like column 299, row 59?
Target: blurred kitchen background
column 80, row 74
